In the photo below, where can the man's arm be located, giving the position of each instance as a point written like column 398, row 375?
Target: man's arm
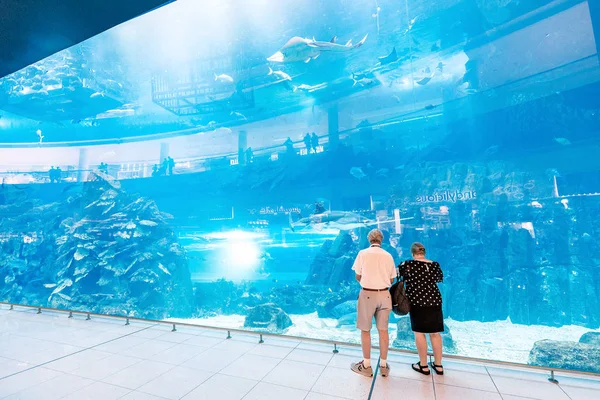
column 357, row 267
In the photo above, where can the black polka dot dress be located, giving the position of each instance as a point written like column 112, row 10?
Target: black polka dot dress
column 425, row 298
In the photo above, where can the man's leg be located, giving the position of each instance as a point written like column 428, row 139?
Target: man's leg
column 382, row 318
column 384, row 344
column 365, row 341
column 364, row 322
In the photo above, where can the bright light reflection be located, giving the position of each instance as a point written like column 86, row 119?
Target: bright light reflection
column 242, row 255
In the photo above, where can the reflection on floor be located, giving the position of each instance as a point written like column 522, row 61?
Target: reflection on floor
column 50, row 357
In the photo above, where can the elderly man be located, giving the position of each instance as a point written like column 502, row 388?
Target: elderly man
column 375, row 271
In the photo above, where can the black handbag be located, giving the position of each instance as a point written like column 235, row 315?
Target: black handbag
column 400, row 303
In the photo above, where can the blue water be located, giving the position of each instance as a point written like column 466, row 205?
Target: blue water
column 223, row 161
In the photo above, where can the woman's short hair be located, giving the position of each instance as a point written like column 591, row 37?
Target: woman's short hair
column 375, row 236
column 417, row 248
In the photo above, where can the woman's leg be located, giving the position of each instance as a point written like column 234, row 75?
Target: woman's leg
column 421, row 342
column 436, row 344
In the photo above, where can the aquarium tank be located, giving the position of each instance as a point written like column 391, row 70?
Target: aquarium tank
column 221, row 162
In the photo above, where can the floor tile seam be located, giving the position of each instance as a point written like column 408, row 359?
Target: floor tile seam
column 63, row 374
column 181, row 397
column 493, row 381
column 143, row 384
column 564, row 391
column 317, row 380
column 200, row 384
column 543, row 381
column 260, row 380
column 77, row 352
column 469, row 388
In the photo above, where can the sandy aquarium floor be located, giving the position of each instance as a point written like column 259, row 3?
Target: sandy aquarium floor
column 499, row 341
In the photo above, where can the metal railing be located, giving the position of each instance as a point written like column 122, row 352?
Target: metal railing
column 335, row 344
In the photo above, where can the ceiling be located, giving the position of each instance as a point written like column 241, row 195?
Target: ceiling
column 31, row 30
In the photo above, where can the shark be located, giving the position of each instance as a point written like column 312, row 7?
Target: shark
column 341, row 220
column 301, row 49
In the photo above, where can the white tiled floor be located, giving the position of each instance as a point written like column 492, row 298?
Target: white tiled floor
column 52, row 357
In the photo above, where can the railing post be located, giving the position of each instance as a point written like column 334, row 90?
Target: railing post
column 261, row 339
column 552, row 379
column 335, row 349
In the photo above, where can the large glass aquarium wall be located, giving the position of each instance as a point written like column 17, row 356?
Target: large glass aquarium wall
column 221, row 162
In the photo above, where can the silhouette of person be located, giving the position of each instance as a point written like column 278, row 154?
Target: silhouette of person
column 249, row 155
column 52, row 174
column 289, row 145
column 308, row 143
column 314, row 139
column 155, row 170
column 58, row 174
column 170, row 165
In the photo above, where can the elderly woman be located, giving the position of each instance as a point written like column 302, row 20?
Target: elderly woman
column 421, row 277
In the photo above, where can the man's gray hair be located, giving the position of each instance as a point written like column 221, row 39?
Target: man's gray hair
column 375, row 236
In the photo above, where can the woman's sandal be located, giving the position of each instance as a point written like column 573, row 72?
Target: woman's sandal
column 439, row 369
column 421, row 368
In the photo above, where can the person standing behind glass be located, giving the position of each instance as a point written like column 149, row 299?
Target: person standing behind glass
column 421, row 277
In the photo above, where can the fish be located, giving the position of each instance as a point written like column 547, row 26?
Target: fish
column 223, row 78
column 490, row 151
column 424, row 81
column 436, row 46
column 97, row 94
column 536, row 204
column 390, row 58
column 358, row 173
column 364, row 81
column 163, row 269
column 238, row 115
column 382, row 172
column 299, row 49
column 147, row 223
column 280, row 74
column 80, row 254
column 429, row 107
column 310, row 89
column 563, row 141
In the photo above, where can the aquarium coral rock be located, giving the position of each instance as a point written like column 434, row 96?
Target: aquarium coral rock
column 268, row 317
column 566, row 355
column 95, row 249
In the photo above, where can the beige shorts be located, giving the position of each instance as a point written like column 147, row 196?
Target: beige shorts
column 373, row 304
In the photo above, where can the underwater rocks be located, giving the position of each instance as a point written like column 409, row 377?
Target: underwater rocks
column 592, row 338
column 96, row 249
column 332, row 266
column 405, row 338
column 267, row 317
column 333, row 263
column 566, row 355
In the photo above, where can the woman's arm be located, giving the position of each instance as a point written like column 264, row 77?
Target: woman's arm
column 438, row 273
